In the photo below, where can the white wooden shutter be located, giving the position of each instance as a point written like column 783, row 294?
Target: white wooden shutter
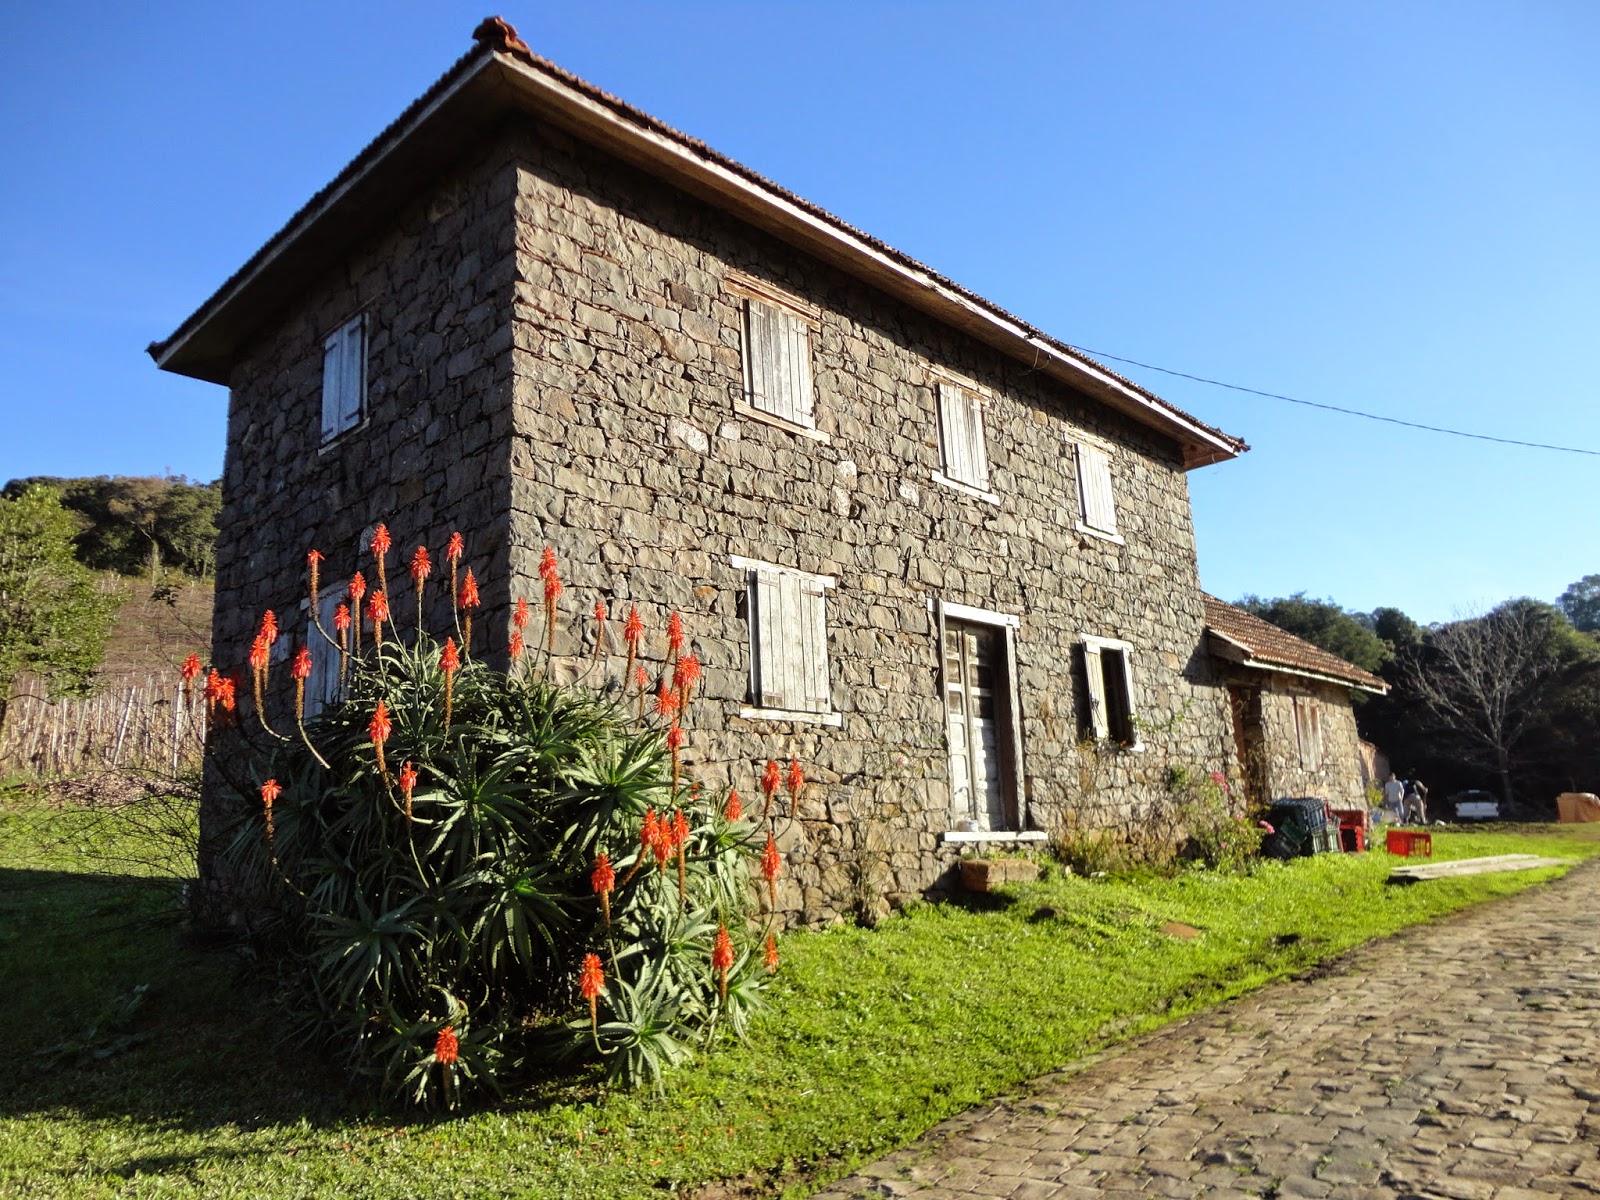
column 1094, row 673
column 961, row 432
column 322, row 686
column 778, row 362
column 332, row 373
column 1094, row 485
column 789, row 642
column 353, row 385
column 814, row 647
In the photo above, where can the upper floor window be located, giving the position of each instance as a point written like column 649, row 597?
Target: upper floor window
column 961, row 441
column 344, row 378
column 788, row 642
column 777, row 363
column 1094, row 491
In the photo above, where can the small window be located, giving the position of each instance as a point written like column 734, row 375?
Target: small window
column 777, row 363
column 788, row 639
column 323, row 684
column 1094, row 489
column 961, row 444
column 1108, row 670
column 344, row 378
column 1308, row 731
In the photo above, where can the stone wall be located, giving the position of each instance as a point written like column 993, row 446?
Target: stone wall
column 432, row 453
column 1339, row 775
column 629, row 458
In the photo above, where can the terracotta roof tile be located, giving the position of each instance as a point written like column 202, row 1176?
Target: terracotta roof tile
column 1263, row 642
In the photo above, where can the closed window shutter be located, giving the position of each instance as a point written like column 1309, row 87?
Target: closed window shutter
column 778, row 362
column 332, row 373
column 790, row 643
column 353, row 387
column 1094, row 673
column 1094, row 484
column 322, row 686
column 814, row 646
column 961, row 430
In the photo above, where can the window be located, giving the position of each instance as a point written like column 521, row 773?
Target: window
column 1108, row 669
column 788, row 643
column 961, row 444
column 1094, row 491
column 777, row 363
column 984, row 738
column 344, row 378
column 322, row 686
column 1308, row 731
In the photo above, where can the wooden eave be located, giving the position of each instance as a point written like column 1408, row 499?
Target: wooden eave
column 491, row 83
column 1224, row 647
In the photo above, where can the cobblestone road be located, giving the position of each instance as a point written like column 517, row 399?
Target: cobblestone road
column 1455, row 1060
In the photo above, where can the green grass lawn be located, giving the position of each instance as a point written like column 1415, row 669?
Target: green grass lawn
column 185, row 1088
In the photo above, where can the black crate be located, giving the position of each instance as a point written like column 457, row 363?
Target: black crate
column 1300, row 827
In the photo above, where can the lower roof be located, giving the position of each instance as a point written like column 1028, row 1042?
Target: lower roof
column 1248, row 640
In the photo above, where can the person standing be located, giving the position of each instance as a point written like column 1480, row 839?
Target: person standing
column 1393, row 798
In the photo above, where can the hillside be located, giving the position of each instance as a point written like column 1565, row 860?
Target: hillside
column 154, row 633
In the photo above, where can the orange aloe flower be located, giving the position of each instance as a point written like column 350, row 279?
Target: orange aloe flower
column 300, row 671
column 378, row 729
column 190, row 671
column 795, row 780
column 674, row 637
column 270, row 791
column 301, row 667
column 449, row 663
column 600, row 615
column 666, row 700
column 771, row 959
column 377, row 613
column 269, row 626
column 771, row 864
column 734, row 810
column 421, row 568
column 466, row 601
column 455, row 547
column 604, row 880
column 632, row 631
column 591, row 982
column 314, row 566
column 380, row 541
column 684, row 676
column 341, row 620
column 521, row 614
column 259, row 653
column 357, row 589
column 408, row 785
column 517, row 646
column 447, row 1047
column 722, row 959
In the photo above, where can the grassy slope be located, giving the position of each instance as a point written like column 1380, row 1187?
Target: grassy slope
column 151, row 637
column 870, row 1038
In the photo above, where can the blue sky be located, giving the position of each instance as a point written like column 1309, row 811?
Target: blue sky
column 1386, row 206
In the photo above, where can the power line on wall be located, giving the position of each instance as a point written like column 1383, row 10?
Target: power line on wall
column 1349, row 412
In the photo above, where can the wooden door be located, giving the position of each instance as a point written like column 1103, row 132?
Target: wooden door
column 972, row 713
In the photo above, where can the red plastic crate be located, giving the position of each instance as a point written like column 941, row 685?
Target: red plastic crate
column 1408, row 844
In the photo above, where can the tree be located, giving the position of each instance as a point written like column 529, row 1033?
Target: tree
column 53, row 620
column 1394, row 627
column 1324, row 624
column 1581, row 603
column 1490, row 680
column 137, row 523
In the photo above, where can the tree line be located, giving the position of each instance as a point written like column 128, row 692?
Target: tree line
column 1506, row 700
column 55, row 534
column 137, row 524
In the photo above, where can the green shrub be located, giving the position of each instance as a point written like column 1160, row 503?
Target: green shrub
column 432, row 935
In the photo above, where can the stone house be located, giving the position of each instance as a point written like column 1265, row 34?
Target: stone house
column 924, row 547
column 1294, row 724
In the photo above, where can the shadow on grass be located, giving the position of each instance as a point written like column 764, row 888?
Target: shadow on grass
column 108, row 1015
